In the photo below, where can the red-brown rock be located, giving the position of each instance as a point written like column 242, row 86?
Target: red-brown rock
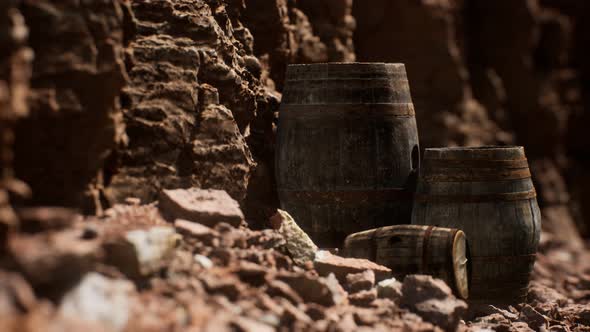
column 325, row 291
column 206, row 206
column 51, row 260
column 141, row 252
column 326, row 263
column 433, row 300
column 360, row 281
column 390, row 289
column 16, row 296
column 282, row 289
column 363, row 298
column 196, row 230
column 38, row 219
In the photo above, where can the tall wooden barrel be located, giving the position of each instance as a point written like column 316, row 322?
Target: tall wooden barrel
column 487, row 192
column 411, row 249
column 347, row 148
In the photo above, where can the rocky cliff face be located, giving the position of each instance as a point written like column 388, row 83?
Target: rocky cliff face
column 159, row 94
column 75, row 117
column 532, row 53
column 129, row 97
column 492, row 72
column 576, row 93
column 194, row 89
column 15, row 72
column 333, row 22
column 422, row 34
column 282, row 35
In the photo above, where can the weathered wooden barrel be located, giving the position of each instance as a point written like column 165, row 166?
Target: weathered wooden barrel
column 412, row 249
column 348, row 151
column 487, row 192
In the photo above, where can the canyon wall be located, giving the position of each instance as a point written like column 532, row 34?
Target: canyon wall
column 75, row 118
column 128, row 97
column 495, row 72
column 15, row 72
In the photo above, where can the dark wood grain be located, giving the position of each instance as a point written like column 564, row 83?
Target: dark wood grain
column 494, row 203
column 346, row 136
column 411, row 249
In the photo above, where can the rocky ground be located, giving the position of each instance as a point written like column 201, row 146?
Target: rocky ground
column 190, row 263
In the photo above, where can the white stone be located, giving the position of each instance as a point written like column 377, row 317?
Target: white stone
column 100, row 300
column 204, row 261
column 299, row 245
column 152, row 246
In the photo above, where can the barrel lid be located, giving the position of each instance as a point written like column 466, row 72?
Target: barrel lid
column 460, row 264
column 476, row 153
column 346, row 70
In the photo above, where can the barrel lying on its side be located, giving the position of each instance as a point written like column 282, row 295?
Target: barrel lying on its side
column 411, row 249
column 487, row 192
column 348, row 152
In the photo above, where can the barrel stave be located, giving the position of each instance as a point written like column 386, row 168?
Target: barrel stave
column 487, row 218
column 346, row 138
column 493, row 202
column 410, row 249
column 338, row 150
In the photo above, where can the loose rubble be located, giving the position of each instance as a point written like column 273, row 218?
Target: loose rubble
column 141, row 252
column 326, row 263
column 134, row 270
column 390, row 289
column 434, row 300
column 360, row 281
column 208, row 207
column 558, row 293
column 98, row 299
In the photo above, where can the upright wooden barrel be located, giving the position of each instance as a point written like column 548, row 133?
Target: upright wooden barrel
column 347, row 148
column 487, row 192
column 411, row 249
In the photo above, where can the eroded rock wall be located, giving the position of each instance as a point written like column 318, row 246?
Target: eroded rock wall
column 333, row 22
column 577, row 142
column 75, row 117
column 531, row 47
column 129, row 97
column 15, row 71
column 282, row 35
column 422, row 35
column 194, row 89
column 494, row 72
